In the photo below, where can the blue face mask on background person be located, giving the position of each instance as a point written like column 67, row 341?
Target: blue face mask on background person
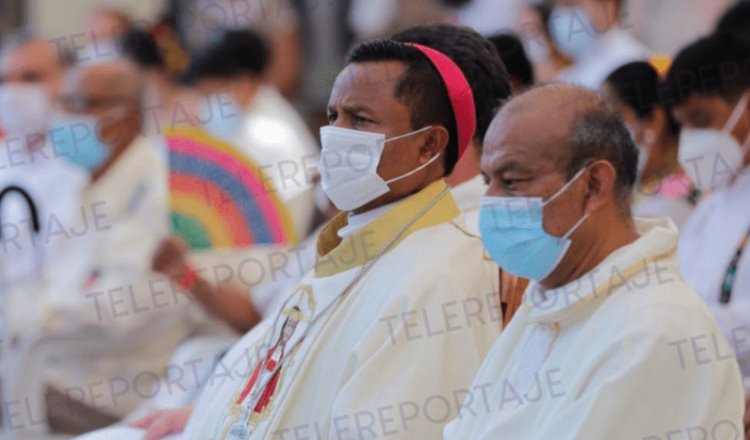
column 221, row 117
column 573, row 31
column 76, row 139
column 512, row 230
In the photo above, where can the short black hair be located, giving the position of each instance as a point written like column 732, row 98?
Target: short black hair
column 717, row 65
column 235, row 52
column 636, row 85
column 511, row 51
column 422, row 88
column 736, row 19
column 139, row 47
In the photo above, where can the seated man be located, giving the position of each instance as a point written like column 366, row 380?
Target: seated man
column 714, row 111
column 609, row 343
column 95, row 331
column 365, row 333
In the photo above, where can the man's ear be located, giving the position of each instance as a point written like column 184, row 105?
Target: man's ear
column 601, row 185
column 436, row 141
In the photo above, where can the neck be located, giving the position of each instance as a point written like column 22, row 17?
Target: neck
column 662, row 160
column 585, row 258
column 467, row 167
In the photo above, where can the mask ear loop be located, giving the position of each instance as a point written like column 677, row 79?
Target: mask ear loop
column 736, row 114
column 415, row 170
column 566, row 186
column 562, row 190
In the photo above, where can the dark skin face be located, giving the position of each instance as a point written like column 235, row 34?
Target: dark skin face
column 712, row 111
column 650, row 132
column 111, row 93
column 519, row 165
column 363, row 99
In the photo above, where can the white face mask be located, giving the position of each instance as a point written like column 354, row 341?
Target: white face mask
column 24, row 110
column 710, row 157
column 349, row 165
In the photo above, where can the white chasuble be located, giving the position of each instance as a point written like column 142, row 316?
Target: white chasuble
column 380, row 340
column 628, row 351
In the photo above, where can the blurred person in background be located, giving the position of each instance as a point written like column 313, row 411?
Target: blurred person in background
column 511, row 51
column 708, row 86
column 31, row 70
column 666, row 26
column 202, row 23
column 662, row 188
column 166, row 103
column 99, row 315
column 241, row 108
column 370, row 20
column 490, row 17
column 736, row 19
column 106, row 26
column 591, row 33
column 533, row 28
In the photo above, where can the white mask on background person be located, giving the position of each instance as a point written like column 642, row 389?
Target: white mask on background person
column 25, row 110
column 573, row 31
column 349, row 165
column 711, row 157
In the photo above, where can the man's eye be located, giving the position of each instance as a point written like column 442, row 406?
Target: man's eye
column 361, row 120
column 513, row 183
column 332, row 117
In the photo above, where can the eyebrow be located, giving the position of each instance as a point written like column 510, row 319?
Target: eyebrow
column 510, row 166
column 351, row 109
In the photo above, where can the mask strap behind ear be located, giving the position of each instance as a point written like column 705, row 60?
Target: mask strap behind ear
column 736, row 114
column 566, row 186
column 415, row 170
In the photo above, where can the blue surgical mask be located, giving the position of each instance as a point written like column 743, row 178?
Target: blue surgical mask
column 221, row 117
column 513, row 233
column 76, row 139
column 573, row 31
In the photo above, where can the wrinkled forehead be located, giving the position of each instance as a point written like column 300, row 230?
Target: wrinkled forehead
column 32, row 55
column 370, row 81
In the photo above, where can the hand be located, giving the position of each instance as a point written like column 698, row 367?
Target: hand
column 170, row 258
column 162, row 423
column 747, row 418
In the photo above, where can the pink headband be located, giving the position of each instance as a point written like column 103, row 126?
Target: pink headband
column 459, row 93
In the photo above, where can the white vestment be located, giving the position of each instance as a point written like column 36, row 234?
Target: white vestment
column 388, row 359
column 97, row 324
column 708, row 242
column 627, row 351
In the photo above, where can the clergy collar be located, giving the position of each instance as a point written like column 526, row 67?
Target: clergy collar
column 336, row 255
column 637, row 266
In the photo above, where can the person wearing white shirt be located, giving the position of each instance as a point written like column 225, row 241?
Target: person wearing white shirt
column 713, row 108
column 31, row 70
column 91, row 336
column 609, row 342
column 591, row 34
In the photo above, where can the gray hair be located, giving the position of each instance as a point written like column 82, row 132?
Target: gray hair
column 599, row 133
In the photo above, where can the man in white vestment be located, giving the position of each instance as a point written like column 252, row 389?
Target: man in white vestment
column 403, row 301
column 713, row 106
column 609, row 342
